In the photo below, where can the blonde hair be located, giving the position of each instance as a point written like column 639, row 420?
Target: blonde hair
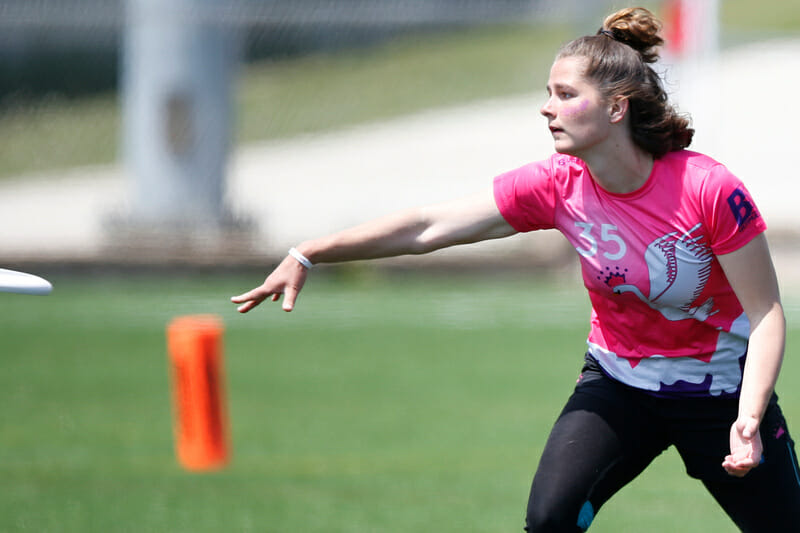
column 618, row 63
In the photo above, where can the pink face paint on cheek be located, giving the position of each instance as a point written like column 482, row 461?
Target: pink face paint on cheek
column 576, row 110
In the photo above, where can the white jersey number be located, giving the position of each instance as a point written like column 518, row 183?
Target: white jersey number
column 606, row 236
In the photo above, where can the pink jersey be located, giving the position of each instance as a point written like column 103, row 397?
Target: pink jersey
column 664, row 317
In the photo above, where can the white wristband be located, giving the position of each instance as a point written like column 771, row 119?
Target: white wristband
column 303, row 260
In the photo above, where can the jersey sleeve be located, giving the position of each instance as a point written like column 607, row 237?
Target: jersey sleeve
column 526, row 196
column 730, row 210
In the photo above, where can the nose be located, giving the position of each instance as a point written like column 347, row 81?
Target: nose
column 547, row 108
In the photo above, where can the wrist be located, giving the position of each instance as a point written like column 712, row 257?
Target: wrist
column 302, row 259
column 748, row 426
column 751, row 408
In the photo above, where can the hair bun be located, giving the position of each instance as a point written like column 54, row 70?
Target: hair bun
column 638, row 28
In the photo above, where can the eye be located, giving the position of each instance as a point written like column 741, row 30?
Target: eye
column 566, row 95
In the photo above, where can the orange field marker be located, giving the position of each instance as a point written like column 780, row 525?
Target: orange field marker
column 194, row 343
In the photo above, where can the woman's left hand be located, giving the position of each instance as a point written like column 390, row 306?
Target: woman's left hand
column 746, row 448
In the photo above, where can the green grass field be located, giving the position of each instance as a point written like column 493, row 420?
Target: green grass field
column 382, row 404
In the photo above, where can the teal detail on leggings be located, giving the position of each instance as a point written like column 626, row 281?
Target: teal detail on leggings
column 585, row 516
column 794, row 463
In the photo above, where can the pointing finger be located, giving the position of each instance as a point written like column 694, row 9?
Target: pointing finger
column 289, row 298
column 248, row 300
column 249, row 295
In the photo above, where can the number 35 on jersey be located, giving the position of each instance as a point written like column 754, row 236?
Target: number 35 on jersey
column 613, row 247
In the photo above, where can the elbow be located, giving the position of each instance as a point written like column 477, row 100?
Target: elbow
column 432, row 239
column 426, row 237
column 423, row 245
column 779, row 315
column 772, row 314
column 771, row 324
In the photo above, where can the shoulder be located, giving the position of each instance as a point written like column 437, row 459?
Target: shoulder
column 720, row 196
column 529, row 196
column 692, row 163
column 698, row 171
column 554, row 175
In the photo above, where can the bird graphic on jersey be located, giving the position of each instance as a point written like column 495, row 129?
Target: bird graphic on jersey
column 679, row 266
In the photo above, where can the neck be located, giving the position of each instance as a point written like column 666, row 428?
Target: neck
column 622, row 170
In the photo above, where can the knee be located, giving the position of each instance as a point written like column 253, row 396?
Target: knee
column 543, row 518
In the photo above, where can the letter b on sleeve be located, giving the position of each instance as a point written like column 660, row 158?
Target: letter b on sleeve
column 741, row 207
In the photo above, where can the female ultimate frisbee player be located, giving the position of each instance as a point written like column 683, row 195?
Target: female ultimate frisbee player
column 687, row 328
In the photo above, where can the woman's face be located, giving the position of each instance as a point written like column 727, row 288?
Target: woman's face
column 576, row 113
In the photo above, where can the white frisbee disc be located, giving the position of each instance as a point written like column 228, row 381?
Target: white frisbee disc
column 23, row 283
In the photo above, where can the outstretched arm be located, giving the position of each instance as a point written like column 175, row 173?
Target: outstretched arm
column 752, row 276
column 413, row 231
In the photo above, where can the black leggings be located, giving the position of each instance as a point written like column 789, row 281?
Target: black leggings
column 608, row 433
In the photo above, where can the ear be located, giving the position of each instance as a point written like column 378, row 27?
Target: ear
column 618, row 109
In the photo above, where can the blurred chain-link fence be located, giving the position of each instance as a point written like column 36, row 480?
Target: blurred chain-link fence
column 74, row 104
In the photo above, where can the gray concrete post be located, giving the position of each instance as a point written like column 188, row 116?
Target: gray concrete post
column 178, row 69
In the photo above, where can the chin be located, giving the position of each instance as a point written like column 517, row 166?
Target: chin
column 566, row 150
column 570, row 149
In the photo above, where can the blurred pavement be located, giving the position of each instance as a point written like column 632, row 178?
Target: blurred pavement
column 303, row 187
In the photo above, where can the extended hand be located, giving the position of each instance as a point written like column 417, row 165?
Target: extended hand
column 746, row 448
column 287, row 279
